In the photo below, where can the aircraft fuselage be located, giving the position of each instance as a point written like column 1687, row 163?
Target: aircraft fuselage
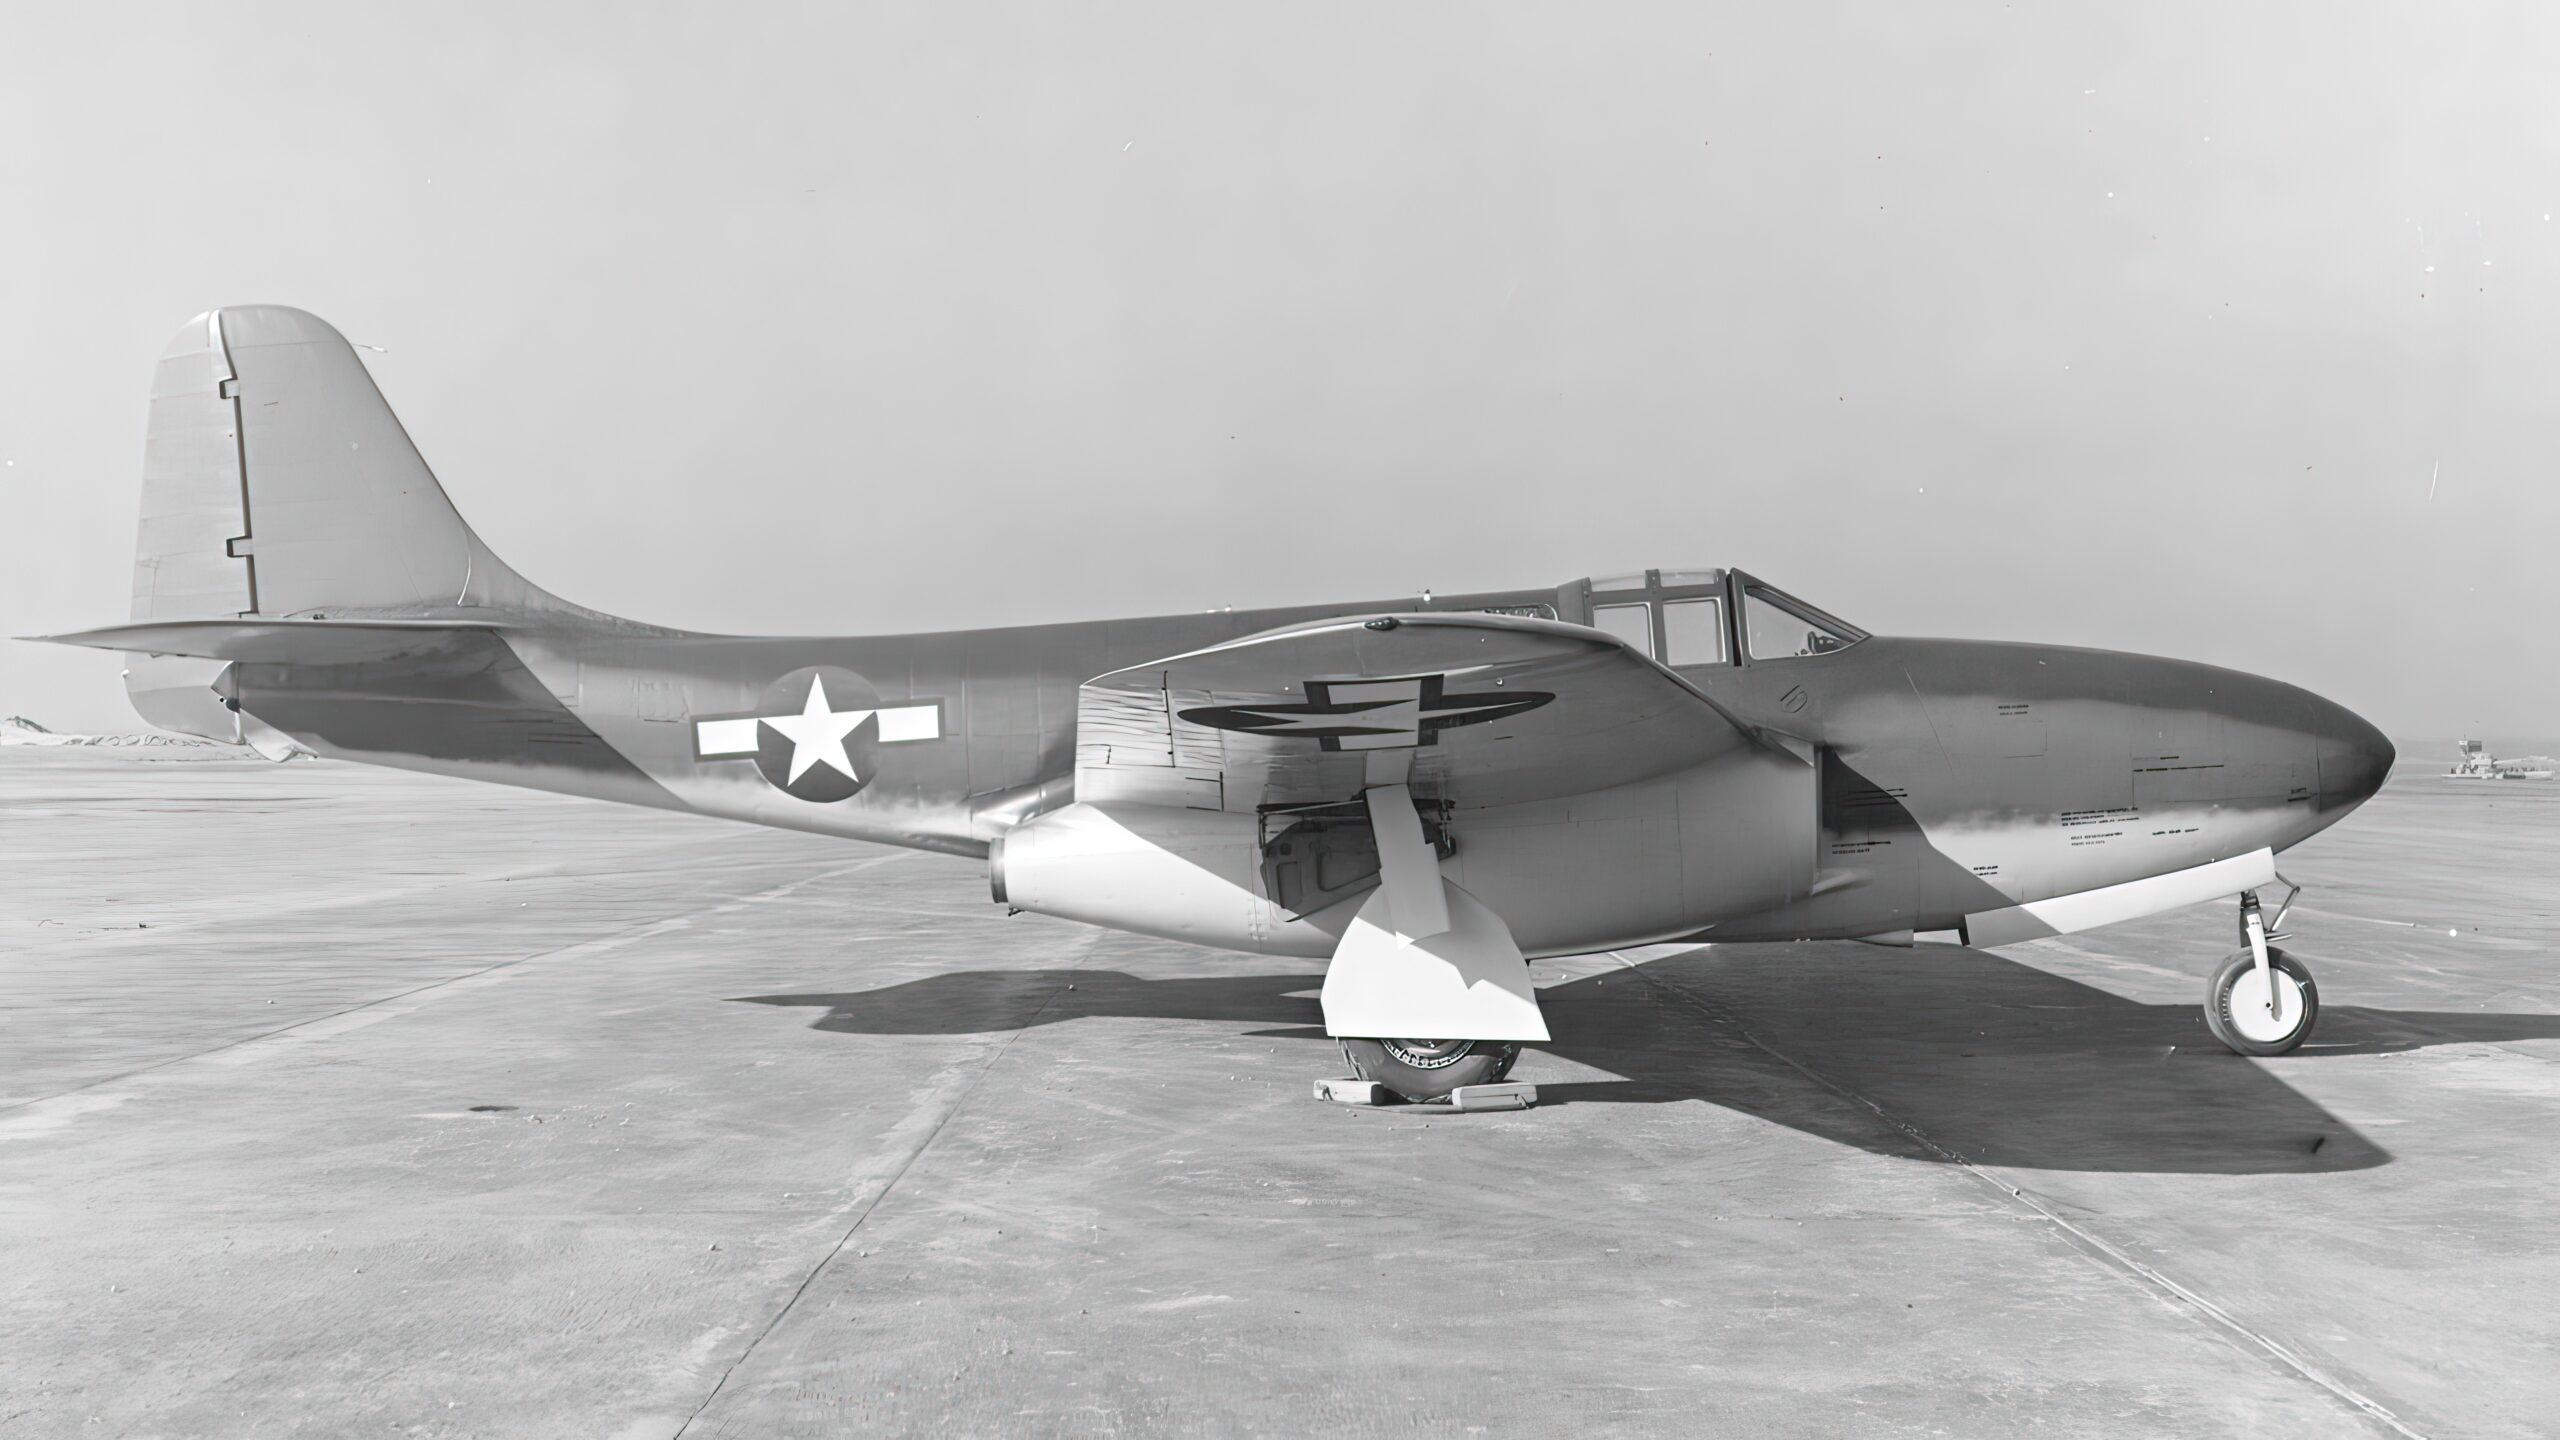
column 1938, row 778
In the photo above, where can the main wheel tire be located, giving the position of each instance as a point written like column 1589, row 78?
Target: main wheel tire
column 1423, row 1071
column 2235, row 1004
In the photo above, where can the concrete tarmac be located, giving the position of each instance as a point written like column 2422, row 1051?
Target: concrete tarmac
column 339, row 1102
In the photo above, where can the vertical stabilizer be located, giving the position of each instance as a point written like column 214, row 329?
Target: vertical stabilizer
column 276, row 481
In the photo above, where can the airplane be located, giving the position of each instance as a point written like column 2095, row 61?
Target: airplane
column 1424, row 792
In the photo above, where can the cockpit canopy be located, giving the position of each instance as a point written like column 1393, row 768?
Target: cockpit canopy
column 1706, row 617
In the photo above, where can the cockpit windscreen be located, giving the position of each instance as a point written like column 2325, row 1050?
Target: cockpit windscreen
column 1778, row 626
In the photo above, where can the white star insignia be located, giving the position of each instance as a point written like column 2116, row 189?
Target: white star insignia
column 817, row 733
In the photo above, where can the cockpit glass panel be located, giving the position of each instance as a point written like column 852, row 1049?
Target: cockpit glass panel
column 1631, row 623
column 1682, row 579
column 1693, row 632
column 1777, row 630
column 1606, row 583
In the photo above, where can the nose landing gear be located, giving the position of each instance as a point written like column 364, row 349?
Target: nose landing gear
column 2262, row 1001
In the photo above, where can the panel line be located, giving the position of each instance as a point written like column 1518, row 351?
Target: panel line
column 931, row 1137
column 615, row 940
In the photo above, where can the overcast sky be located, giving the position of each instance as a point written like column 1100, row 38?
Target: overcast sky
column 2223, row 332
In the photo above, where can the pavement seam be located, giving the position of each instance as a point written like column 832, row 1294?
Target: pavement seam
column 2088, row 1242
column 620, row 937
column 958, row 1102
column 567, row 869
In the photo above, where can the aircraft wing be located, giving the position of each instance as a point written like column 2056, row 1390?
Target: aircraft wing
column 1472, row 709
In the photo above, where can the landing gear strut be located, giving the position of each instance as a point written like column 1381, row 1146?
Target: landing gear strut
column 2262, row 1001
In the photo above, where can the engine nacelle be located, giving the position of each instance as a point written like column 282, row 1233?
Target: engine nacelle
column 1181, row 874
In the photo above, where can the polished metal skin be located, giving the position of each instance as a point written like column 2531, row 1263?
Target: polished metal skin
column 302, row 580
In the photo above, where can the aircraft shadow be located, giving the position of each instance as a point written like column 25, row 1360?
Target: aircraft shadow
column 1993, row 1061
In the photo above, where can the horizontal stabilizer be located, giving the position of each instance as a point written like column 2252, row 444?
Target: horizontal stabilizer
column 279, row 642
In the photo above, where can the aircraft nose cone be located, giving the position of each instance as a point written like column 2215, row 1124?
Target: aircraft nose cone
column 2354, row 758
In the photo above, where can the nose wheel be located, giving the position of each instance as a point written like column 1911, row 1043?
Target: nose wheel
column 2262, row 1001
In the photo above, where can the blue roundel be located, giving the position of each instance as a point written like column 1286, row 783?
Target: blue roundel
column 818, row 734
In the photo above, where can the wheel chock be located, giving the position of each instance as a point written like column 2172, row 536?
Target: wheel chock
column 1352, row 1092
column 1465, row 1097
column 1493, row 1097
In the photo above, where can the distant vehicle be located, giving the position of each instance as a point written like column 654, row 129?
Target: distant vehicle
column 1423, row 791
column 2478, row 764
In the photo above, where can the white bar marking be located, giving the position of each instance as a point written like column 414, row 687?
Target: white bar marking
column 910, row 722
column 717, row 739
column 725, row 737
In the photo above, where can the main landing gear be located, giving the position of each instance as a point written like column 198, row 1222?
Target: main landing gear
column 1423, row 955
column 1422, row 1071
column 2262, row 1001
